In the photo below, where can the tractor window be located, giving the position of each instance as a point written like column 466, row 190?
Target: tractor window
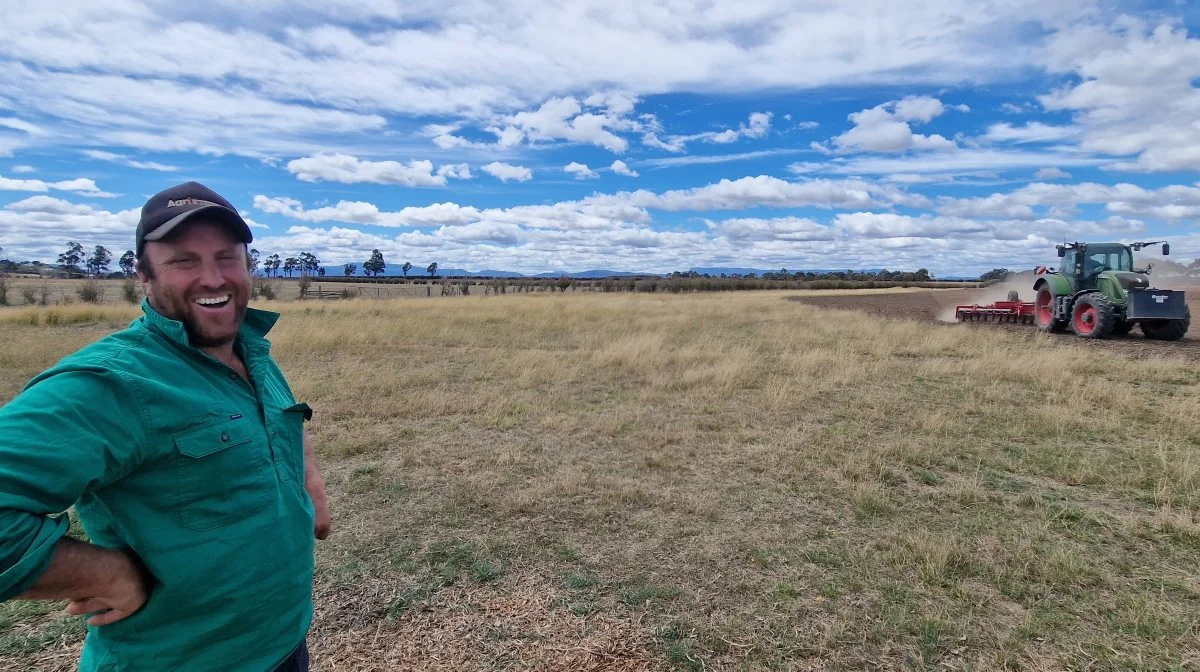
column 1112, row 260
column 1068, row 262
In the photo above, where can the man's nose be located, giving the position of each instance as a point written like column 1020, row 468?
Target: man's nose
column 210, row 274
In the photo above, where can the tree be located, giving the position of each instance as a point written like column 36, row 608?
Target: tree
column 375, row 265
column 349, row 269
column 321, row 271
column 289, row 265
column 97, row 264
column 271, row 265
column 994, row 274
column 72, row 257
column 253, row 261
column 406, row 268
column 308, row 263
column 128, row 262
column 431, row 269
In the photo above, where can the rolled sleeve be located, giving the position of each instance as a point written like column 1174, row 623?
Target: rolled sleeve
column 68, row 433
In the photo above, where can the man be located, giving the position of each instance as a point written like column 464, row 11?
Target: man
column 183, row 451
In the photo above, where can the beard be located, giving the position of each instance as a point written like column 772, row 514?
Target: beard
column 206, row 328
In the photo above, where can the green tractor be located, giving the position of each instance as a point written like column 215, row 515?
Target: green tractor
column 1097, row 292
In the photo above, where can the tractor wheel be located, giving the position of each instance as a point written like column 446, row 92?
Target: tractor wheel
column 1092, row 316
column 1122, row 327
column 1043, row 312
column 1167, row 330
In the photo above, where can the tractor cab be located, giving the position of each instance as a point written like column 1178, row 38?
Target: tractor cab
column 1083, row 263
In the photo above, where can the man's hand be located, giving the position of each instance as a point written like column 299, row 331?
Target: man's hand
column 324, row 524
column 314, row 484
column 122, row 597
column 108, row 583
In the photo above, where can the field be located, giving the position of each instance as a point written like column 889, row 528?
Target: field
column 749, row 481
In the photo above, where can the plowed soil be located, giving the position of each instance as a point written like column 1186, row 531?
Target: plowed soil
column 937, row 307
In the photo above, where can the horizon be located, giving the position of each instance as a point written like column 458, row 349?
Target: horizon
column 955, row 137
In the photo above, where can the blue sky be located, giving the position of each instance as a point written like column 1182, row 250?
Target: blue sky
column 957, row 136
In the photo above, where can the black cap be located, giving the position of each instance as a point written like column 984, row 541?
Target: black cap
column 169, row 208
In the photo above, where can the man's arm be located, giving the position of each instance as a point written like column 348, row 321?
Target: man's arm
column 315, row 485
column 94, row 580
column 66, row 434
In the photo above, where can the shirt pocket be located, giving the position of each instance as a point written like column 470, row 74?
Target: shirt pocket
column 222, row 475
column 289, row 446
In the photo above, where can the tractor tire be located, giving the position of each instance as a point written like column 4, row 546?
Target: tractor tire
column 1167, row 330
column 1122, row 327
column 1043, row 313
column 1092, row 316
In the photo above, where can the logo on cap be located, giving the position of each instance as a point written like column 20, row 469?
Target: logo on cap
column 178, row 203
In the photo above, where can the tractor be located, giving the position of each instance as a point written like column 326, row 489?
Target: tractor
column 1097, row 292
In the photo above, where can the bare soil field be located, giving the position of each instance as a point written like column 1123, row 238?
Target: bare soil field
column 937, row 306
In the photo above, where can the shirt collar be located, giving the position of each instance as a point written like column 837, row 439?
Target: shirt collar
column 253, row 331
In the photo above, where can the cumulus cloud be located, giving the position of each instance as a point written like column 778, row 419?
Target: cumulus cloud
column 619, row 167
column 352, row 170
column 1135, row 92
column 580, row 171
column 505, row 172
column 1051, row 173
column 886, row 127
column 80, row 185
column 38, row 227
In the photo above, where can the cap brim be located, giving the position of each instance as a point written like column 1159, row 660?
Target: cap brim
column 216, row 212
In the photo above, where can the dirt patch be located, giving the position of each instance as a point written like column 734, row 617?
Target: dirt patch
column 937, row 306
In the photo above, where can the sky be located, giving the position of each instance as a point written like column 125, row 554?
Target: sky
column 952, row 135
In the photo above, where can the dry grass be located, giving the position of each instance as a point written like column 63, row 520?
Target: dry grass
column 728, row 482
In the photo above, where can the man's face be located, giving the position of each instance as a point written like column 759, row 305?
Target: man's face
column 199, row 277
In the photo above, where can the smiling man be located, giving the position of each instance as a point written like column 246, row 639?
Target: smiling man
column 180, row 445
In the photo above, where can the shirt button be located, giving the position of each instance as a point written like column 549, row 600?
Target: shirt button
column 224, row 436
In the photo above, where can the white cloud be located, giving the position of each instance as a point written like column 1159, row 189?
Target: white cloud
column 781, row 228
column 20, row 125
column 1051, row 173
column 39, row 227
column 580, row 171
column 1011, row 108
column 674, row 145
column 1174, row 202
column 80, row 185
column 505, row 172
column 619, row 167
column 565, row 119
column 885, row 128
column 1034, row 131
column 23, row 169
column 1135, row 94
column 958, row 162
column 757, row 126
column 352, row 170
column 126, row 161
column 458, row 171
column 699, row 159
column 808, row 125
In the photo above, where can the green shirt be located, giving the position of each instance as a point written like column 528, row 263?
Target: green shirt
column 168, row 452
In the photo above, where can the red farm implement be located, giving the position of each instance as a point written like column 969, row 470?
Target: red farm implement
column 1013, row 311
